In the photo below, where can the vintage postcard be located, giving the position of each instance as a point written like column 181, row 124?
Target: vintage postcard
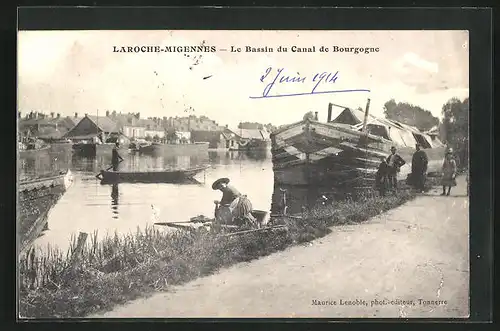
column 227, row 174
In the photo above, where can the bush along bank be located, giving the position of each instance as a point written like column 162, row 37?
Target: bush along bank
column 117, row 269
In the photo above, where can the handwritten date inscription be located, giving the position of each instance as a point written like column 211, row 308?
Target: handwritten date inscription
column 279, row 76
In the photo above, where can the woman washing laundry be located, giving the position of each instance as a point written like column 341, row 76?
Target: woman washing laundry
column 234, row 208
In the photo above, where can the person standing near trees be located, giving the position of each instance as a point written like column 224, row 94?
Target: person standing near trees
column 381, row 177
column 419, row 168
column 449, row 169
column 394, row 162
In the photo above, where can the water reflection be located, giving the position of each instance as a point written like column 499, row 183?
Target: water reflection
column 293, row 200
column 86, row 206
column 229, row 157
column 297, row 199
column 114, row 200
column 41, row 164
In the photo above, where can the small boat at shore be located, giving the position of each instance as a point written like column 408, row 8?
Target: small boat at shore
column 136, row 146
column 149, row 148
column 63, row 179
column 177, row 149
column 93, row 149
column 163, row 176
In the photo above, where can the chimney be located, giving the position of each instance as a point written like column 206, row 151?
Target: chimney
column 329, row 113
column 315, row 115
column 107, row 113
column 76, row 115
column 52, row 114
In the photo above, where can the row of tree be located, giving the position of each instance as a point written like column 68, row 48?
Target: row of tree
column 455, row 122
column 456, row 127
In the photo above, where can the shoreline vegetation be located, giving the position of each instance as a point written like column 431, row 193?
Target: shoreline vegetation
column 118, row 269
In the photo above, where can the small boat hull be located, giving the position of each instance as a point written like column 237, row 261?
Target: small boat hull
column 175, row 149
column 92, row 150
column 150, row 148
column 172, row 176
column 63, row 179
column 37, row 196
column 35, row 151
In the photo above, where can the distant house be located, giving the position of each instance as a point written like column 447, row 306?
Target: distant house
column 128, row 125
column 152, row 128
column 246, row 138
column 190, row 123
column 139, row 128
column 44, row 127
column 216, row 139
column 96, row 129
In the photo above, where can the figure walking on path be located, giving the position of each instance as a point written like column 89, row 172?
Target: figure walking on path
column 449, row 172
column 394, row 162
column 419, row 169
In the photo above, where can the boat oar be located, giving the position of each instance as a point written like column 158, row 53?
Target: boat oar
column 99, row 174
column 182, row 222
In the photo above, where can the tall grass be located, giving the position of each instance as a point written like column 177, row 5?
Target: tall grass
column 116, row 268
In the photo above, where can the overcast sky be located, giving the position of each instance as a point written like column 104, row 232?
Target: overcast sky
column 77, row 71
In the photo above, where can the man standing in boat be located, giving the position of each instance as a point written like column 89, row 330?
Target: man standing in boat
column 115, row 157
column 233, row 208
column 419, row 168
column 394, row 163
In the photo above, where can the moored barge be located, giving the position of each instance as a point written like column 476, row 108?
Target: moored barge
column 344, row 153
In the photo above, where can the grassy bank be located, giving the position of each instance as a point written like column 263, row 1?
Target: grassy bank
column 121, row 268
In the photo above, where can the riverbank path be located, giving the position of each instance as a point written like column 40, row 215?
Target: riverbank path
column 414, row 260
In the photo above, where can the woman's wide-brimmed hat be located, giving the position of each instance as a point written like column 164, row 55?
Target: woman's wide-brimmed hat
column 219, row 181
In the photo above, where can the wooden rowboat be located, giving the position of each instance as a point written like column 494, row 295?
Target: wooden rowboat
column 150, row 147
column 164, row 176
column 63, row 178
column 36, row 198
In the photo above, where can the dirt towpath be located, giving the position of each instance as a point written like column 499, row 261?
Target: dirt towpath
column 404, row 259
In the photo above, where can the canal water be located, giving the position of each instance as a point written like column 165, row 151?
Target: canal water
column 88, row 205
